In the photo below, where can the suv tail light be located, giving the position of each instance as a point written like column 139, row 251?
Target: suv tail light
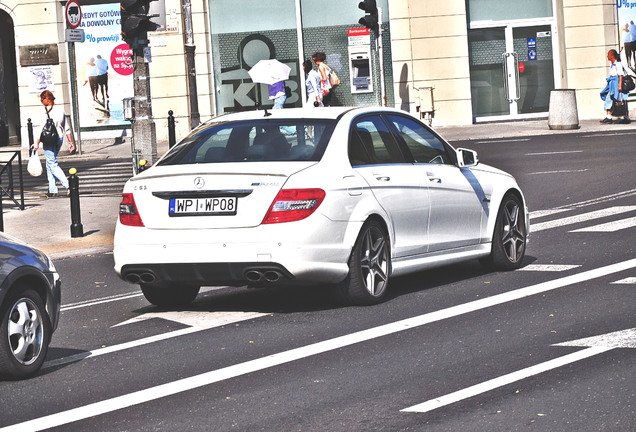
column 293, row 205
column 128, row 214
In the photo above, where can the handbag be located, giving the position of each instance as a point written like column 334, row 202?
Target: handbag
column 619, row 108
column 49, row 136
column 628, row 84
column 34, row 166
column 333, row 79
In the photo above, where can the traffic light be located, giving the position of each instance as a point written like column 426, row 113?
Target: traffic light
column 370, row 20
column 136, row 22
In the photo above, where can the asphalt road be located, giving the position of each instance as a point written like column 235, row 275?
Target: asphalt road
column 546, row 348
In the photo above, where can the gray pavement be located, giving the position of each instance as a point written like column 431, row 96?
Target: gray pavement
column 45, row 222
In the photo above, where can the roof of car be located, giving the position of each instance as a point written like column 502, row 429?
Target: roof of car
column 314, row 113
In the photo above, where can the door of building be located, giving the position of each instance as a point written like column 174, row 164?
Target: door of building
column 511, row 70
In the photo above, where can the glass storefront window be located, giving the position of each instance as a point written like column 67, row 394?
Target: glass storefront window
column 501, row 10
column 244, row 32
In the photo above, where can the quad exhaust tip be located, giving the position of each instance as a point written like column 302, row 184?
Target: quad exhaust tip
column 256, row 275
column 137, row 277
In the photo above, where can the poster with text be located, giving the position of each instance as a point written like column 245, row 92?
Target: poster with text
column 627, row 31
column 104, row 67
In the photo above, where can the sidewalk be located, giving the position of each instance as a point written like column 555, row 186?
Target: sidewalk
column 45, row 222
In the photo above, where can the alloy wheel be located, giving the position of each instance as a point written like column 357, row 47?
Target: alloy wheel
column 25, row 331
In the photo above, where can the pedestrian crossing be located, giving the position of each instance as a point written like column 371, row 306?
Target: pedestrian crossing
column 98, row 177
column 604, row 227
column 595, row 222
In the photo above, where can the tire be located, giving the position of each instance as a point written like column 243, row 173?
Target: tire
column 25, row 333
column 510, row 236
column 170, row 296
column 369, row 267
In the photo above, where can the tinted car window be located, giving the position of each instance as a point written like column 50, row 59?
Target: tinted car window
column 424, row 146
column 371, row 142
column 256, row 140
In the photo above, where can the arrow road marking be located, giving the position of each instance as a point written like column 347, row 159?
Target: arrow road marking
column 197, row 321
column 619, row 339
column 626, row 281
column 207, row 378
column 503, row 380
column 597, row 344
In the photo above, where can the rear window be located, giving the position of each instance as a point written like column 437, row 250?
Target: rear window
column 255, row 140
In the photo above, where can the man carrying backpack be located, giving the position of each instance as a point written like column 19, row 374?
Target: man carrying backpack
column 54, row 127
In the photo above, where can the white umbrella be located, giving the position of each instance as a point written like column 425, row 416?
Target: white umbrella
column 269, row 71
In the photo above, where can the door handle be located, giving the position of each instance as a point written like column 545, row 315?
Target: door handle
column 383, row 178
column 433, row 179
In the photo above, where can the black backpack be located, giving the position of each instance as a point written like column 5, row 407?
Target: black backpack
column 49, row 136
column 628, row 84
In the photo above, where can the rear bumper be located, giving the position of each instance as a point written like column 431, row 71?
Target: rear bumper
column 264, row 255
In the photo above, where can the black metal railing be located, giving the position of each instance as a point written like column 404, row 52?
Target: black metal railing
column 7, row 178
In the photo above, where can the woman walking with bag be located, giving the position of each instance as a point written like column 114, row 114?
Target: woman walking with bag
column 615, row 100
column 54, row 127
column 324, row 71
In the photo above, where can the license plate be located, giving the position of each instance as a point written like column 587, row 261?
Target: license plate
column 203, row 206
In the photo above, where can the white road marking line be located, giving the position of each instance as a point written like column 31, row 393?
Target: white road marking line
column 554, row 153
column 626, row 281
column 611, row 134
column 612, row 211
column 558, row 172
column 204, row 379
column 212, row 319
column 542, row 213
column 496, row 141
column 597, row 345
column 98, row 301
column 610, row 226
column 600, row 200
column 548, row 267
column 505, row 380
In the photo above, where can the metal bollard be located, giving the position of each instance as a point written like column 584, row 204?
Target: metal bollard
column 77, row 230
column 172, row 139
column 30, row 129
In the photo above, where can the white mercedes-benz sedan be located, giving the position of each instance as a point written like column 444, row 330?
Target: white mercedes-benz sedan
column 337, row 197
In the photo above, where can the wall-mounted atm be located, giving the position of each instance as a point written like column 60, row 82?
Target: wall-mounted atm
column 361, row 69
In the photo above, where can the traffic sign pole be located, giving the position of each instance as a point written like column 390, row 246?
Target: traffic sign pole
column 73, row 13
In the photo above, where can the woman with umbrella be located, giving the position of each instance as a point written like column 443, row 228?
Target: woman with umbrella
column 273, row 73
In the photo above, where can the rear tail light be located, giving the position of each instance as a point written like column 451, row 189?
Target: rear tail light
column 128, row 214
column 293, row 205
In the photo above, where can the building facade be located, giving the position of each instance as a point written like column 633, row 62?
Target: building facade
column 454, row 62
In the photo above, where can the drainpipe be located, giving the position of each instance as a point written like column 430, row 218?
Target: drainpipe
column 195, row 118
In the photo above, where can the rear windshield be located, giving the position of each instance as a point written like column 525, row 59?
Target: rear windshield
column 255, row 140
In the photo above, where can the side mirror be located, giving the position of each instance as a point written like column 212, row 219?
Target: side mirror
column 466, row 158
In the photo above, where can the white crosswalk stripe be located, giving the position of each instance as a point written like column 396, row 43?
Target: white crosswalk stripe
column 548, row 267
column 610, row 226
column 585, row 217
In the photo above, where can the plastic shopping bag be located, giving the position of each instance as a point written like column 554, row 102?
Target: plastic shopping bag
column 34, row 167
